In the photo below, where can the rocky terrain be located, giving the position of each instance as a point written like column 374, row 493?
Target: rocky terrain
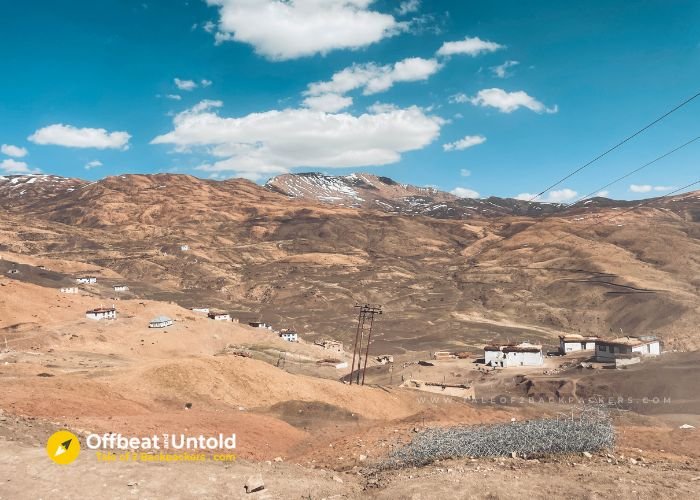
column 302, row 262
column 444, row 283
column 382, row 193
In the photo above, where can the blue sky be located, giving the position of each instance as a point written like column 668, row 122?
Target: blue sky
column 499, row 98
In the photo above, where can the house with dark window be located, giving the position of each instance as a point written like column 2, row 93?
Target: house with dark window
column 626, row 350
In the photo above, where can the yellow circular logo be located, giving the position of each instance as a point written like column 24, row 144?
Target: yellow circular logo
column 63, row 447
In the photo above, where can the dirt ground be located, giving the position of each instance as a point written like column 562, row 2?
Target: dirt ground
column 307, row 434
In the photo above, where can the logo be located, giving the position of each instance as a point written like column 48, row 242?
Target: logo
column 63, row 447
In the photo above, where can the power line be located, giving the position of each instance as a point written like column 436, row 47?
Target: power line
column 645, row 202
column 613, row 148
column 628, row 174
column 632, row 172
column 639, row 205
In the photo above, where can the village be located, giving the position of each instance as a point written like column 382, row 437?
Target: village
column 431, row 372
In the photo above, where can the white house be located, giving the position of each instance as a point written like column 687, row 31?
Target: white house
column 160, row 322
column 219, row 316
column 69, row 289
column 184, row 248
column 626, row 350
column 202, row 310
column 575, row 342
column 289, row 335
column 505, row 356
column 120, row 288
column 86, row 279
column 102, row 313
column 258, row 324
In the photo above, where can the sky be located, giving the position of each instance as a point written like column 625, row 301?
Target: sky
column 499, row 98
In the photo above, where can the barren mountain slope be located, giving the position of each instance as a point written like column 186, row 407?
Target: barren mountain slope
column 444, row 283
column 382, row 193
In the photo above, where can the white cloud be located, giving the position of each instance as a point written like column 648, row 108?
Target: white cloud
column 647, row 188
column 465, row 172
column 275, row 141
column 209, row 27
column 16, row 151
column 93, row 164
column 381, row 107
column 291, row 29
column 174, row 97
column 501, row 71
column 73, row 137
column 373, row 78
column 10, row 166
column 185, row 85
column 603, row 194
column 467, row 141
column 330, row 103
column 561, row 195
column 205, row 83
column 463, row 192
column 641, row 188
column 556, row 196
column 408, row 6
column 459, row 98
column 469, row 46
column 507, row 102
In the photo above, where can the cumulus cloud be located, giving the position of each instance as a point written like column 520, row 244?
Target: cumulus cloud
column 501, row 71
column 205, row 83
column 275, row 141
column 185, row 85
column 469, row 46
column 330, row 103
column 506, row 102
column 10, row 166
column 408, row 7
column 603, row 194
column 467, row 141
column 69, row 136
column 647, row 188
column 372, row 78
column 465, row 172
column 463, row 192
column 93, row 164
column 556, row 196
column 291, row 29
column 16, row 151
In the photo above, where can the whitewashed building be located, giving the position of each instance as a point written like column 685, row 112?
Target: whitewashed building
column 160, row 322
column 69, row 289
column 626, row 350
column 509, row 355
column 120, row 288
column 289, row 335
column 184, row 248
column 86, row 280
column 201, row 310
column 219, row 316
column 258, row 324
column 575, row 342
column 101, row 313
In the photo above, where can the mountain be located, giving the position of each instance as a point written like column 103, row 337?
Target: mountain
column 445, row 283
column 26, row 189
column 382, row 193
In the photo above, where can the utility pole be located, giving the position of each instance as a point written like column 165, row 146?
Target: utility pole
column 365, row 323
